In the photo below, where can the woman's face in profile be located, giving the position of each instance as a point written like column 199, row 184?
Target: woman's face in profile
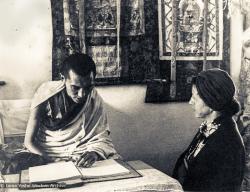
column 201, row 110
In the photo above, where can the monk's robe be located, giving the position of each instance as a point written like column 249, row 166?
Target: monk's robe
column 87, row 130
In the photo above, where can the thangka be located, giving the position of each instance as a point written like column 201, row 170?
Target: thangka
column 101, row 18
column 105, row 58
column 102, row 21
column 190, row 26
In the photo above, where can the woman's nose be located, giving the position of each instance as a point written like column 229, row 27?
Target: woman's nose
column 80, row 93
column 191, row 101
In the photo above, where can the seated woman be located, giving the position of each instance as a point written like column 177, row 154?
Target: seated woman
column 214, row 161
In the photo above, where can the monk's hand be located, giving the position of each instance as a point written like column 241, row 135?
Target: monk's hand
column 87, row 159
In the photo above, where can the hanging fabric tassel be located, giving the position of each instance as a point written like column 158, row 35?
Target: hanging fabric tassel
column 204, row 35
column 118, row 24
column 173, row 52
column 82, row 26
column 66, row 17
column 1, row 132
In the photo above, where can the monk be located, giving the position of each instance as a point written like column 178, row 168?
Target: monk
column 67, row 120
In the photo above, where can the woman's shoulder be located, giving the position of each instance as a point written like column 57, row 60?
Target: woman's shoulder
column 227, row 137
column 227, row 126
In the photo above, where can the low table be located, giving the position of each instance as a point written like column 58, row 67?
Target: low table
column 151, row 180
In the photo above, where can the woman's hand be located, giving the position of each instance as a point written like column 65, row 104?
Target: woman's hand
column 87, row 159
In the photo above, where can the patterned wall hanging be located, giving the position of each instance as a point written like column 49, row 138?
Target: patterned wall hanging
column 189, row 25
column 102, row 26
column 91, row 26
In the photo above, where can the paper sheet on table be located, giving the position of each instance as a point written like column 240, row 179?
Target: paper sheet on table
column 58, row 171
column 103, row 168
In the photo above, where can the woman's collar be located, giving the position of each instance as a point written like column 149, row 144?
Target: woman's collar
column 208, row 129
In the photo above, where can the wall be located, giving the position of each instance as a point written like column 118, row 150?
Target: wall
column 235, row 48
column 154, row 133
column 25, row 46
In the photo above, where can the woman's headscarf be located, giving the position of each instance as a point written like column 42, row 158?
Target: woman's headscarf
column 216, row 88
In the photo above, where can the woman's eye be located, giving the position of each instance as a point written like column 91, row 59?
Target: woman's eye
column 74, row 88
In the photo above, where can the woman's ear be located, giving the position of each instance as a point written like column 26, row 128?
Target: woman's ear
column 92, row 77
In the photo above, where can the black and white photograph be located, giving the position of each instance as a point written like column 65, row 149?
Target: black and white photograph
column 124, row 95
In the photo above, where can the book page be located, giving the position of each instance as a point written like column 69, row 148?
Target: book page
column 103, row 168
column 58, row 171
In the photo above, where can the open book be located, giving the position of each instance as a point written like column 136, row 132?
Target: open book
column 63, row 171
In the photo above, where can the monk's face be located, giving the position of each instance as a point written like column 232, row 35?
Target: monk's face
column 78, row 87
column 201, row 110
